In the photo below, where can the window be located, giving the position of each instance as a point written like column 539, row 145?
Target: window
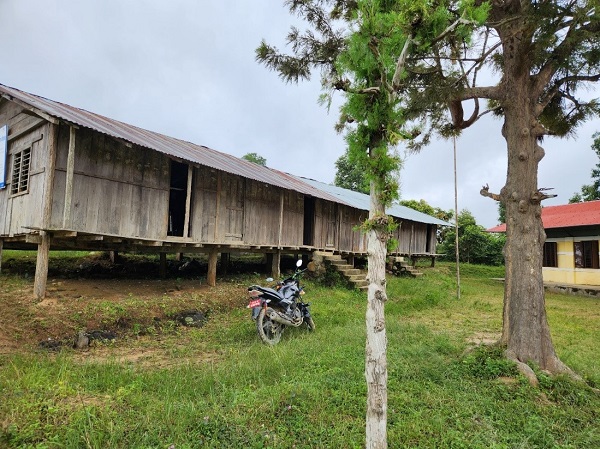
column 550, row 255
column 20, row 172
column 586, row 254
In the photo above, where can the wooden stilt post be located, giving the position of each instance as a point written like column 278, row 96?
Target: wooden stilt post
column 41, row 266
column 268, row 261
column 211, row 277
column 67, row 219
column 275, row 265
column 43, row 252
column 1, row 247
column 162, row 266
column 224, row 263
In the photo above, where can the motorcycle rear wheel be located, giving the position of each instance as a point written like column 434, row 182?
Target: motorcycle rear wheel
column 269, row 331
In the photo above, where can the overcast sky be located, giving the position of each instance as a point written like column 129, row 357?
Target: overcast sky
column 186, row 68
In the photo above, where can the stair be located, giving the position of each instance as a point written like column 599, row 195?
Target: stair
column 357, row 277
column 400, row 267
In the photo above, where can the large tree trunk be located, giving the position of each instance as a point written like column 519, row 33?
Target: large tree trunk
column 376, row 345
column 526, row 333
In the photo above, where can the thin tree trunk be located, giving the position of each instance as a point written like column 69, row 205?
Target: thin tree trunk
column 376, row 345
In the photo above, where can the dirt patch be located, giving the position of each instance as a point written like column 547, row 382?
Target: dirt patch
column 133, row 303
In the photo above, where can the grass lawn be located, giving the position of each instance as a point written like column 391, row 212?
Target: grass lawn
column 219, row 387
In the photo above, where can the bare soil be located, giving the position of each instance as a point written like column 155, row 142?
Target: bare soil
column 125, row 299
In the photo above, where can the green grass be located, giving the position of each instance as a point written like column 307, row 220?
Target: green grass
column 309, row 391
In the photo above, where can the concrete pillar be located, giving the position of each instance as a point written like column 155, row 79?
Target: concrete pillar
column 41, row 266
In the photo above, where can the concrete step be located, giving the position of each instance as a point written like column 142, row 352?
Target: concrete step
column 351, row 272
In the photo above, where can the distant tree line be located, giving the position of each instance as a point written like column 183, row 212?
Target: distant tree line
column 475, row 244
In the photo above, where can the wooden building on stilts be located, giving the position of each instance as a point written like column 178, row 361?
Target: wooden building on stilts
column 75, row 180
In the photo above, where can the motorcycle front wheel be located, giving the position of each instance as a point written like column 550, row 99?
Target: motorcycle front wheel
column 310, row 324
column 269, row 331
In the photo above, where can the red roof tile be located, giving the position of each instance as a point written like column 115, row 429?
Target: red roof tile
column 566, row 216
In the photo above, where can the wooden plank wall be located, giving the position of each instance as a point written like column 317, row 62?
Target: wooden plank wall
column 352, row 240
column 117, row 189
column 204, row 204
column 412, row 238
column 293, row 218
column 261, row 222
column 327, row 224
column 23, row 209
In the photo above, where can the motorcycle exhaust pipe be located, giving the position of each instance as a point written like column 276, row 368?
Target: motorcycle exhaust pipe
column 282, row 319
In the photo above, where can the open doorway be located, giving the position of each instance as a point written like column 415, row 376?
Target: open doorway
column 177, row 199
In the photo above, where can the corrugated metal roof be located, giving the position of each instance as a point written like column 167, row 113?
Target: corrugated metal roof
column 566, row 216
column 177, row 148
column 363, row 202
column 202, row 155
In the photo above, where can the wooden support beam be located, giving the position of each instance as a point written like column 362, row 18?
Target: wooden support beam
column 162, row 267
column 225, row 258
column 188, row 202
column 24, row 126
column 33, row 238
column 90, row 238
column 1, row 246
column 211, row 277
column 30, row 108
column 69, row 179
column 280, row 218
column 64, row 234
column 218, row 208
column 275, row 265
column 41, row 266
column 52, row 145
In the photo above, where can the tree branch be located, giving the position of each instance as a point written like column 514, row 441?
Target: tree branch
column 548, row 96
column 400, row 64
column 485, row 191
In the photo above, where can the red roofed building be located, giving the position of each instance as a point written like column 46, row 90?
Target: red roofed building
column 571, row 247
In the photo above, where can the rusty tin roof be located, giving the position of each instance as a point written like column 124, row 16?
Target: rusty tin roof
column 171, row 146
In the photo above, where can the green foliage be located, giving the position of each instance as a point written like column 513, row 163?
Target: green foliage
column 590, row 192
column 349, row 175
column 501, row 213
column 475, row 245
column 426, row 208
column 256, row 158
column 488, row 362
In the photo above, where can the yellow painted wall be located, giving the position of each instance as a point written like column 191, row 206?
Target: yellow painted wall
column 566, row 273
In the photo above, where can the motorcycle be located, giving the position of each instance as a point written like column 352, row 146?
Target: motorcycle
column 274, row 309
